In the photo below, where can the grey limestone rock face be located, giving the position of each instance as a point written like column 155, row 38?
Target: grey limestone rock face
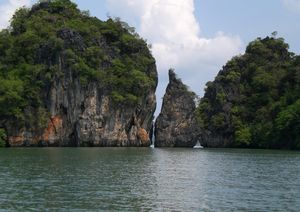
column 176, row 125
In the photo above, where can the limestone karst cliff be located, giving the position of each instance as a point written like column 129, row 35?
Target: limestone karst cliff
column 254, row 101
column 176, row 125
column 68, row 79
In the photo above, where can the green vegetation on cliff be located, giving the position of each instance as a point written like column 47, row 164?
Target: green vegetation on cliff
column 255, row 100
column 54, row 36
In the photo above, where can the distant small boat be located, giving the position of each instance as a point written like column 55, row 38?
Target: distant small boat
column 198, row 146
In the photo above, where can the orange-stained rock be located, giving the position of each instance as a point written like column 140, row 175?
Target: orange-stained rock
column 54, row 125
column 16, row 140
column 143, row 135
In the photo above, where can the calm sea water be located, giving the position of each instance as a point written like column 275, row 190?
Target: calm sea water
column 145, row 179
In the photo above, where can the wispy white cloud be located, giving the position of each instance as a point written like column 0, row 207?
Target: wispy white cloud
column 7, row 10
column 177, row 40
column 293, row 5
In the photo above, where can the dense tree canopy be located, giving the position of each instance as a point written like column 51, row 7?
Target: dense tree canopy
column 255, row 100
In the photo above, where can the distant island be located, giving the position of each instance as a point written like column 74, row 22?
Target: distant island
column 69, row 79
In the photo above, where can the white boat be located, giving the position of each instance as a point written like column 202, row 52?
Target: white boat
column 198, row 146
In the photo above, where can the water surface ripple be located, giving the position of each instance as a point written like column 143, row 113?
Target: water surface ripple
column 145, row 179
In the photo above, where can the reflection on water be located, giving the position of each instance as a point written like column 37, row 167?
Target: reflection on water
column 135, row 179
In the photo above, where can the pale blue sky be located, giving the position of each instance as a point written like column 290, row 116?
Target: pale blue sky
column 250, row 19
